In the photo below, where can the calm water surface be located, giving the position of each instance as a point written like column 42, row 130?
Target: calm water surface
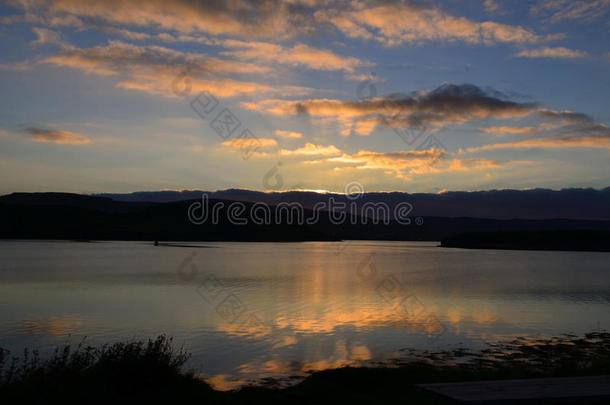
column 247, row 311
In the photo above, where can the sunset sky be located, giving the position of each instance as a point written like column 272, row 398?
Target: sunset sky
column 106, row 96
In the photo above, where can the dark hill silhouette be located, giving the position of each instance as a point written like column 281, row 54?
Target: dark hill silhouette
column 70, row 216
column 104, row 204
column 575, row 203
column 73, row 216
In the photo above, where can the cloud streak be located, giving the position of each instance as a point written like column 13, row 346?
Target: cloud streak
column 311, row 149
column 297, row 55
column 244, row 143
column 550, row 143
column 446, row 104
column 391, row 23
column 403, row 22
column 45, row 36
column 156, row 69
column 288, row 134
column 555, row 53
column 54, row 136
column 243, row 18
column 405, row 164
column 576, row 10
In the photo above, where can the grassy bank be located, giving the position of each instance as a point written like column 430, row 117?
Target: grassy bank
column 152, row 372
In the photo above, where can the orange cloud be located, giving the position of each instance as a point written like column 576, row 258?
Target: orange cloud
column 445, row 104
column 160, row 70
column 360, row 126
column 288, row 134
column 163, row 36
column 118, row 56
column 391, row 160
column 239, row 17
column 566, row 115
column 298, row 55
column 550, row 143
column 244, row 143
column 406, row 22
column 310, row 149
column 53, row 136
column 509, row 130
column 464, row 165
column 392, row 23
column 404, row 164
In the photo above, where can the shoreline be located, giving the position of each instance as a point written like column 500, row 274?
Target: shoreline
column 152, row 371
column 447, row 244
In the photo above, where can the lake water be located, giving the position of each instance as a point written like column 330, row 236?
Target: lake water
column 247, row 311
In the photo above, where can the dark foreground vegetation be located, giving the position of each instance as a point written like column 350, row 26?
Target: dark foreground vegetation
column 578, row 240
column 151, row 372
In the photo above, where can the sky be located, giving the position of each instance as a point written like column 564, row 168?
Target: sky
column 415, row 96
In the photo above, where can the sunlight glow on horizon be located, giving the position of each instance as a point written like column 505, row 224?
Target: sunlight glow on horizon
column 104, row 96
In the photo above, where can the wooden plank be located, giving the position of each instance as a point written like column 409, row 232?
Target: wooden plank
column 527, row 390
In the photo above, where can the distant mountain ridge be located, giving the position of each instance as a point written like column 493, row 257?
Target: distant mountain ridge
column 83, row 217
column 573, row 203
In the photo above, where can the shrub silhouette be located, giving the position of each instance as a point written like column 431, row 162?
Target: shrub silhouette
column 111, row 373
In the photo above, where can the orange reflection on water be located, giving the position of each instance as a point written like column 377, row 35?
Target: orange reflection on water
column 413, row 316
column 421, row 319
column 485, row 317
column 286, row 341
column 53, row 325
column 224, row 382
column 343, row 356
column 273, row 367
column 253, row 330
column 460, row 317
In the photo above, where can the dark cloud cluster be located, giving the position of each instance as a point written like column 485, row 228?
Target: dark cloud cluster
column 445, row 104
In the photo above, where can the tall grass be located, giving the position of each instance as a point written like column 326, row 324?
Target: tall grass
column 120, row 372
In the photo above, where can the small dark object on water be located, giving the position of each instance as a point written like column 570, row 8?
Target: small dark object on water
column 156, row 243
